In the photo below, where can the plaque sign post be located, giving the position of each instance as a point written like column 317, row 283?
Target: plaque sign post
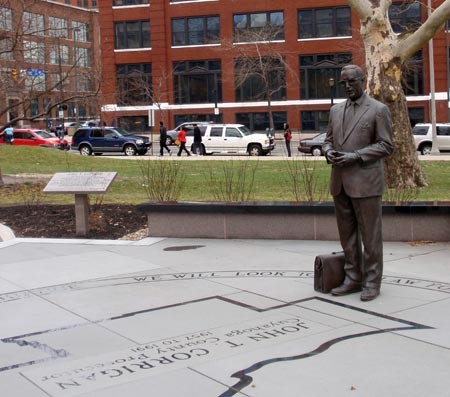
column 81, row 184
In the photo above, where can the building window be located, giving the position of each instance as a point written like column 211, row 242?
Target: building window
column 58, row 27
column 324, row 22
column 260, row 121
column 416, row 115
column 80, row 31
column 261, row 26
column 132, row 34
column 314, row 120
column 413, row 75
column 34, row 107
column 6, row 49
column 134, row 123
column 6, row 21
column 197, row 81
column 195, row 30
column 35, row 83
column 33, row 52
column 82, row 57
column 84, row 82
column 59, row 55
column 405, row 16
column 33, row 24
column 129, row 2
column 257, row 81
column 316, row 72
column 134, row 83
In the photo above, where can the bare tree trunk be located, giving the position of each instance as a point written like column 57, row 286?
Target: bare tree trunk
column 384, row 74
column 402, row 168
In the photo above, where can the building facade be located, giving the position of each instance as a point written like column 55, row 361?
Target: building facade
column 49, row 63
column 239, row 61
column 80, row 3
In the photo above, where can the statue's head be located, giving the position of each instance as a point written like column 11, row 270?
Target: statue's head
column 352, row 79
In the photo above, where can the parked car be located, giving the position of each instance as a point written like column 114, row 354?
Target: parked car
column 188, row 127
column 423, row 137
column 233, row 139
column 313, row 145
column 35, row 137
column 98, row 140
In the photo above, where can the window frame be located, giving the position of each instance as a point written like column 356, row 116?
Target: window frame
column 123, row 34
column 238, row 31
column 336, row 22
column 319, row 71
column 185, row 34
column 188, row 76
column 126, row 76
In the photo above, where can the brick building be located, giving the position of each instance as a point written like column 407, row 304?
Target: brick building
column 49, row 54
column 172, row 60
column 80, row 3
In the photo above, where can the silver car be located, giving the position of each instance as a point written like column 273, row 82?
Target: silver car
column 188, row 127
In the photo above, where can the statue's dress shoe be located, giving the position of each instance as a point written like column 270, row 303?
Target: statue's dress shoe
column 347, row 287
column 369, row 294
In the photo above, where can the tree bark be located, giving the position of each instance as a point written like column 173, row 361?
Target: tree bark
column 385, row 54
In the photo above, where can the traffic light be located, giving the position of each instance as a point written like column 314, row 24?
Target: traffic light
column 62, row 107
column 14, row 74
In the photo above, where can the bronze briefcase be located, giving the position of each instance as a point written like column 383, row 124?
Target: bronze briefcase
column 329, row 271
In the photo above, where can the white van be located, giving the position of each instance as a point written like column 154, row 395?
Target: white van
column 423, row 138
column 234, row 139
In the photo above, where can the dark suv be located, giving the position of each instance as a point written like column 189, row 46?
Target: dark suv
column 98, row 140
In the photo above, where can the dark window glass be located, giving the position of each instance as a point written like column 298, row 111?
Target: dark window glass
column 405, row 16
column 197, row 82
column 324, row 22
column 134, row 123
column 216, row 131
column 314, row 120
column 442, row 131
column 316, row 72
column 416, row 115
column 134, row 82
column 260, row 121
column 132, row 34
column 129, row 2
column 259, row 26
column 413, row 75
column 261, row 80
column 195, row 30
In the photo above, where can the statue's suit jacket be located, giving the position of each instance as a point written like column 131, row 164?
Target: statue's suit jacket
column 369, row 133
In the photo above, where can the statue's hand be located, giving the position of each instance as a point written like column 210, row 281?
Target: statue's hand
column 342, row 159
column 330, row 155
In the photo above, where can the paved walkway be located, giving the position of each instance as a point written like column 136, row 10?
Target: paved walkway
column 216, row 318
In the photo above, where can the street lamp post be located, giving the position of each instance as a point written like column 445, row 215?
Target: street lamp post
column 331, row 84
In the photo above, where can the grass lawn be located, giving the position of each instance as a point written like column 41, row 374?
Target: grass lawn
column 270, row 180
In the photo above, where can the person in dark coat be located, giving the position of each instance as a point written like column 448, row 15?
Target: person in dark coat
column 359, row 137
column 198, row 148
column 163, row 139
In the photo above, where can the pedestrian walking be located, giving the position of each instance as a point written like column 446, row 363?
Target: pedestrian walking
column 163, row 139
column 288, row 138
column 182, row 139
column 198, row 148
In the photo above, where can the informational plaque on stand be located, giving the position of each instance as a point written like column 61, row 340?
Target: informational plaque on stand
column 80, row 184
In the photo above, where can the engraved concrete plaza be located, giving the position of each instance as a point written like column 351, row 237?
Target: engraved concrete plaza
column 215, row 318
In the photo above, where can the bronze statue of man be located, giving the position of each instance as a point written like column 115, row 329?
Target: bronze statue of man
column 359, row 136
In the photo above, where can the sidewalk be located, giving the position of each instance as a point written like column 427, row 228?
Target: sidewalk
column 217, row 318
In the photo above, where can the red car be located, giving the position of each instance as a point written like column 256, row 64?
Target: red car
column 34, row 137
